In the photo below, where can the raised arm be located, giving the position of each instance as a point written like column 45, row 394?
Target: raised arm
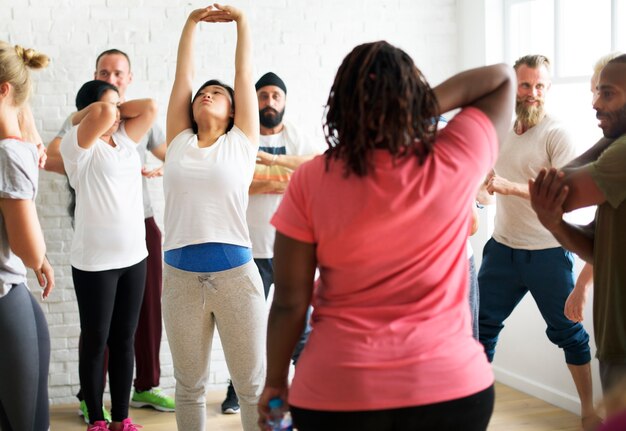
column 490, row 89
column 93, row 122
column 138, row 116
column 178, row 118
column 246, row 102
column 29, row 132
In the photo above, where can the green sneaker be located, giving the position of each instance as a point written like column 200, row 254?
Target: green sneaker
column 82, row 411
column 154, row 398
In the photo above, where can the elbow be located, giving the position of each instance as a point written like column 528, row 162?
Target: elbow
column 151, row 108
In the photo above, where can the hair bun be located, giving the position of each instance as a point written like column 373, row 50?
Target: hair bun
column 32, row 58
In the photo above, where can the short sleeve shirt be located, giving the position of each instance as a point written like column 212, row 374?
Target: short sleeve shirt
column 609, row 301
column 391, row 321
column 18, row 180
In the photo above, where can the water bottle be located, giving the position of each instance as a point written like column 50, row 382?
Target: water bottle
column 279, row 420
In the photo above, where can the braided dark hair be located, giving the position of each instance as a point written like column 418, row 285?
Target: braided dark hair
column 381, row 100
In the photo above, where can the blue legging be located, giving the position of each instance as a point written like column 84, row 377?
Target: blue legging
column 507, row 274
column 24, row 362
column 109, row 303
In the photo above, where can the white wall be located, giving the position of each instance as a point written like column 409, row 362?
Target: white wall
column 524, row 359
column 304, row 42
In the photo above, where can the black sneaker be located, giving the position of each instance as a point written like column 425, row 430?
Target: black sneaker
column 230, row 406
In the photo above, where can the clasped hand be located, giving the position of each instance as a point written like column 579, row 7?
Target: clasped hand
column 547, row 196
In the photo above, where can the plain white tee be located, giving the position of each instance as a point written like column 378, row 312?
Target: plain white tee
column 109, row 230
column 206, row 190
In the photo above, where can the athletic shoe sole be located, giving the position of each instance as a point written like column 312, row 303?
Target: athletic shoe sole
column 141, row 404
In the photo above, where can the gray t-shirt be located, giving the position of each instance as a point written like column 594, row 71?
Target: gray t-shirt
column 18, row 180
column 149, row 142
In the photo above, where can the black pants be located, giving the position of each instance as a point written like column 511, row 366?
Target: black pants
column 24, row 362
column 109, row 303
column 468, row 414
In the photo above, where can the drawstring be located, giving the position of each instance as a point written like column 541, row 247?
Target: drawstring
column 205, row 280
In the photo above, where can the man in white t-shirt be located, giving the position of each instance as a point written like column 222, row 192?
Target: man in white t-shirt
column 522, row 256
column 282, row 149
column 113, row 66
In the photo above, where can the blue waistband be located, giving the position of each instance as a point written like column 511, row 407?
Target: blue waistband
column 208, row 257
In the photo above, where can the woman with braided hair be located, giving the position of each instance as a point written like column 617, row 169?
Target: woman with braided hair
column 24, row 337
column 384, row 215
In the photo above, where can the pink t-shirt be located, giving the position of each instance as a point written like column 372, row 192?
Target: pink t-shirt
column 391, row 321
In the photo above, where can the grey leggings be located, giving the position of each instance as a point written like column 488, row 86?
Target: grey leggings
column 194, row 304
column 24, row 362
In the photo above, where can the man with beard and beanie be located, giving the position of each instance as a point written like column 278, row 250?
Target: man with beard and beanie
column 282, row 149
column 522, row 255
column 597, row 177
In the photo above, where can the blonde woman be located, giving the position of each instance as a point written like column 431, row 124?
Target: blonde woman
column 210, row 279
column 24, row 334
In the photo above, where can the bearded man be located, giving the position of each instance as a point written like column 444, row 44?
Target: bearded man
column 282, row 148
column 522, row 255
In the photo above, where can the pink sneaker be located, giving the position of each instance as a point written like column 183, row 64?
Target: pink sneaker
column 98, row 426
column 128, row 425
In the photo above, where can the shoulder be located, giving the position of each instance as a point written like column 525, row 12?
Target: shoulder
column 237, row 135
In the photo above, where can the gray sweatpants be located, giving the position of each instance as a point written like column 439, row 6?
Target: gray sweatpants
column 193, row 304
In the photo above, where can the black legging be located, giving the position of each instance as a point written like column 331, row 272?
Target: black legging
column 24, row 362
column 468, row 414
column 109, row 304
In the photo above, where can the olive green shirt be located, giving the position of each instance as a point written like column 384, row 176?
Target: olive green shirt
column 609, row 254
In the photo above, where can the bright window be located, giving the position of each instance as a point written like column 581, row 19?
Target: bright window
column 573, row 34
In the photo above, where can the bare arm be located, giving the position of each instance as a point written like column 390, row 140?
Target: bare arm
column 246, row 102
column 138, row 116
column 294, row 272
column 95, row 120
column 490, row 89
column 178, row 107
column 288, row 161
column 548, row 193
column 24, row 231
column 54, row 163
column 159, row 151
column 267, row 186
column 575, row 303
column 29, row 132
column 501, row 185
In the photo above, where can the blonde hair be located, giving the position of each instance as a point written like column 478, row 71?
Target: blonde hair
column 14, row 64
column 603, row 61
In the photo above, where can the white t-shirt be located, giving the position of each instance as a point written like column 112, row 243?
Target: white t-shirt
column 521, row 157
column 151, row 140
column 263, row 206
column 109, row 231
column 206, row 189
column 18, row 180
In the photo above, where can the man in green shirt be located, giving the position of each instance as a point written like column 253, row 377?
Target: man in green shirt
column 597, row 177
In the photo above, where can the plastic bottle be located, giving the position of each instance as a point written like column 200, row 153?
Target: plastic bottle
column 279, row 420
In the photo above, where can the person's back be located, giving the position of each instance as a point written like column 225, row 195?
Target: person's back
column 385, row 215
column 391, row 253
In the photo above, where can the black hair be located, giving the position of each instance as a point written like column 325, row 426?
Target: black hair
column 91, row 92
column 379, row 99
column 219, row 83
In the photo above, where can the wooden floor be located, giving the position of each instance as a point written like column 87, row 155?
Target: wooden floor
column 514, row 411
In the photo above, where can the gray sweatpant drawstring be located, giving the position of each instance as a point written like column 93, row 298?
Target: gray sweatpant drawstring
column 205, row 280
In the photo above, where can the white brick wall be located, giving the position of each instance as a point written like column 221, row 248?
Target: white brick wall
column 302, row 41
